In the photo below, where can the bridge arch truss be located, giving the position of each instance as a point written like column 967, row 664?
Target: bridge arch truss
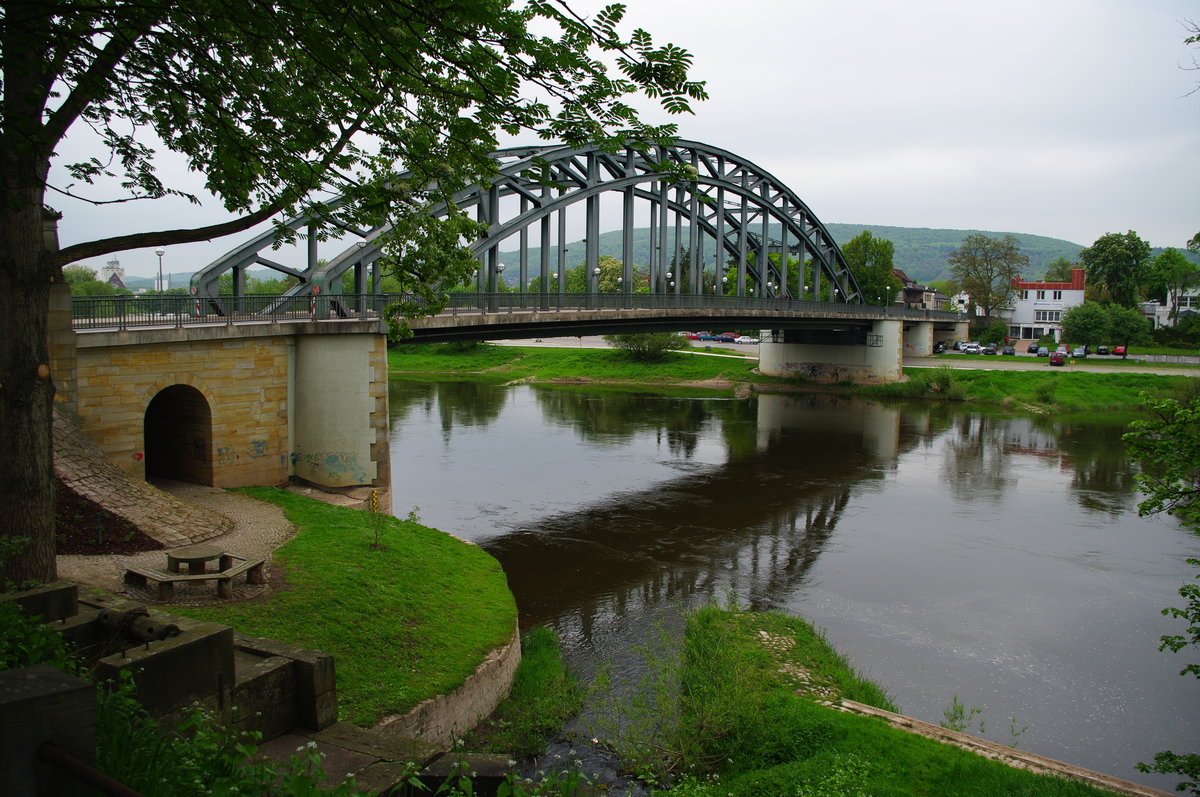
column 729, row 219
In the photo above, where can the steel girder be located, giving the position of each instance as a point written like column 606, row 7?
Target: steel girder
column 726, row 208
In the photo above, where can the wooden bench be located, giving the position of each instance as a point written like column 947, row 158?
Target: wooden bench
column 253, row 568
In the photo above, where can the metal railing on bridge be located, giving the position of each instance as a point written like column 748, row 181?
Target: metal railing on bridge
column 108, row 313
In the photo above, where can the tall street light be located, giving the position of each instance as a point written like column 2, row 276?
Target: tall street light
column 160, row 252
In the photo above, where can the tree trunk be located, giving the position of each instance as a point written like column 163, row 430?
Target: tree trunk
column 26, row 391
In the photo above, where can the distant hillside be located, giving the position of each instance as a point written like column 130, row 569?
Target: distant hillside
column 920, row 251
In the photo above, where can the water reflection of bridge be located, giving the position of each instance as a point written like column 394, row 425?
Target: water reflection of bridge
column 682, row 542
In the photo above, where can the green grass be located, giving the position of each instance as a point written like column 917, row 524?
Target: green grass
column 544, row 696
column 404, row 623
column 759, row 738
column 511, row 363
column 1060, row 391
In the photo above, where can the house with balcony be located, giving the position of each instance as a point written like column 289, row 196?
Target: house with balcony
column 1160, row 313
column 1037, row 307
column 916, row 296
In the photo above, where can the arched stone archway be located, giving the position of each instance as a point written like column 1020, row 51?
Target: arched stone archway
column 178, row 436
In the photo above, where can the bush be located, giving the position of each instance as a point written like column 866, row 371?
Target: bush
column 648, row 346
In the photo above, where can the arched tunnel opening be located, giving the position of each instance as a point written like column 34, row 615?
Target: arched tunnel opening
column 178, row 436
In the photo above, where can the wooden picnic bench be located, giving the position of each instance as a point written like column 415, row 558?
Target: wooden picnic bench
column 253, row 568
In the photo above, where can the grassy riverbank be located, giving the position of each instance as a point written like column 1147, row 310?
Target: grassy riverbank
column 1038, row 391
column 750, row 720
column 405, row 621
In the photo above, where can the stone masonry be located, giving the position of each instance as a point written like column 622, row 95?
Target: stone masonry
column 85, row 470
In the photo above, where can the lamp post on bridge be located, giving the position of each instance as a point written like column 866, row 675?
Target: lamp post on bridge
column 160, row 252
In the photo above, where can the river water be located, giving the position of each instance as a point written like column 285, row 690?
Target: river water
column 946, row 553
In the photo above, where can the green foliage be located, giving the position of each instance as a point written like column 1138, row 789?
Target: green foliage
column 1127, row 325
column 985, row 267
column 959, row 717
column 201, row 758
column 1119, row 262
column 1087, row 323
column 24, row 641
column 1168, row 443
column 544, row 695
column 750, row 734
column 1059, row 270
column 870, row 261
column 648, row 346
column 995, row 332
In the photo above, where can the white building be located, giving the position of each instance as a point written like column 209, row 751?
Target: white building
column 1038, row 306
column 1159, row 313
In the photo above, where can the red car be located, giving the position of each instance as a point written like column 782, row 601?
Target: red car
column 1118, row 350
column 1058, row 358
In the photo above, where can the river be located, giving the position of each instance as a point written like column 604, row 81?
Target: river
column 947, row 553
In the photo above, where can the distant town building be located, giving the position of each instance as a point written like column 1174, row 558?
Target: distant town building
column 919, row 297
column 1159, row 313
column 1037, row 307
column 113, row 274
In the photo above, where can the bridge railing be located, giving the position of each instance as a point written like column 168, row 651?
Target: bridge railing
column 128, row 312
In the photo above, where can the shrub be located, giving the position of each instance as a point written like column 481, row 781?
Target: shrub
column 648, row 346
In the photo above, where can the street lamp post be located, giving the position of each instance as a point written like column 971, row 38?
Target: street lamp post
column 160, row 252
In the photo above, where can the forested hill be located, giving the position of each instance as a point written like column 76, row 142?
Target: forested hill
column 920, row 251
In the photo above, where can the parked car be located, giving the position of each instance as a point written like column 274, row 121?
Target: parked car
column 1058, row 358
column 1079, row 351
column 939, row 347
column 1009, row 350
column 1102, row 350
column 1118, row 350
column 726, row 337
column 691, row 336
column 1061, row 347
column 958, row 344
column 1033, row 348
column 745, row 339
column 990, row 348
column 971, row 348
column 1043, row 351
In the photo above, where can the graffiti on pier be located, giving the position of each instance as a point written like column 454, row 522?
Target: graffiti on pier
column 336, row 465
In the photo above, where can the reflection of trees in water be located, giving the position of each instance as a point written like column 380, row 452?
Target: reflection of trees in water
column 679, row 422
column 455, row 403
column 975, row 460
column 1102, row 476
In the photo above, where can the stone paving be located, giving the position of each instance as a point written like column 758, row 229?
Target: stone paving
column 85, row 470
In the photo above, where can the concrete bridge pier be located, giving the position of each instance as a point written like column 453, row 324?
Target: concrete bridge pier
column 863, row 354
column 339, row 425
column 918, row 339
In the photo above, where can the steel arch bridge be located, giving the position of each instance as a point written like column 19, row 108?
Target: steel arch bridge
column 728, row 219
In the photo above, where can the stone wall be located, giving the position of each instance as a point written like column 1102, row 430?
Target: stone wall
column 244, row 381
column 443, row 719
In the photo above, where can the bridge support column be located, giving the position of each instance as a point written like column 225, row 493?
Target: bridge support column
column 829, row 356
column 918, row 339
column 339, row 424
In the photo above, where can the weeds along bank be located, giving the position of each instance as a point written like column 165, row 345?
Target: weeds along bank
column 742, row 707
column 1038, row 391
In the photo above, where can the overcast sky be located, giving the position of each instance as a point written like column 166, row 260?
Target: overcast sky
column 1065, row 118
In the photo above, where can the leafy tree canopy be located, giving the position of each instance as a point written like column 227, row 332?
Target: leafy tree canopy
column 1059, row 270
column 1171, row 274
column 1086, row 323
column 985, row 267
column 870, row 261
column 279, row 106
column 648, row 346
column 1119, row 262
